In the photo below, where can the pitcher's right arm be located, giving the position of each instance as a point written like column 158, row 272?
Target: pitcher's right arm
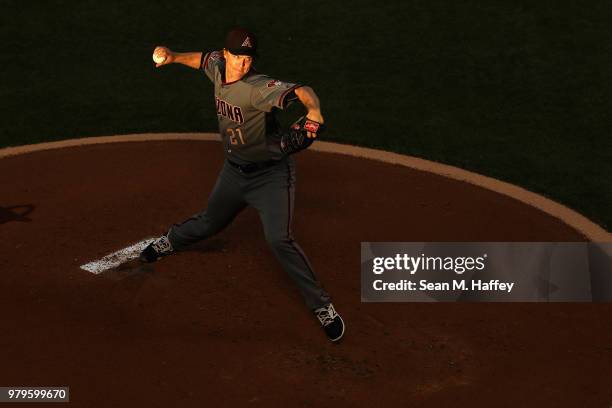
column 190, row 59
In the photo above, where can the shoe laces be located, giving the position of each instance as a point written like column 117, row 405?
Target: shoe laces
column 162, row 245
column 326, row 314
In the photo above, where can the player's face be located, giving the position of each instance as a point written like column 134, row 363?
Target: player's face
column 239, row 64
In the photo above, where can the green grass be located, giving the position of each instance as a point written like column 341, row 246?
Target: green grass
column 518, row 91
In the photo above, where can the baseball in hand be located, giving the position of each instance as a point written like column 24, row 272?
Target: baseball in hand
column 158, row 58
column 159, row 55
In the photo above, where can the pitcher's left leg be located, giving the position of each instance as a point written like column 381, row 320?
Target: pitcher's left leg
column 272, row 195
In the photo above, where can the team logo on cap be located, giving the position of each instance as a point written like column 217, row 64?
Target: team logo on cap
column 247, row 43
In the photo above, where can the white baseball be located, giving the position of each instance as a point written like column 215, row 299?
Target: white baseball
column 158, row 58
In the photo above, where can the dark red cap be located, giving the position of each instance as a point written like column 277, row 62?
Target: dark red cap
column 240, row 41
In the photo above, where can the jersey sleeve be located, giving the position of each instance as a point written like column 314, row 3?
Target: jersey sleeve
column 209, row 61
column 273, row 93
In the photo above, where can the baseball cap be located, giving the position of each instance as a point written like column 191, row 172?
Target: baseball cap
column 240, row 41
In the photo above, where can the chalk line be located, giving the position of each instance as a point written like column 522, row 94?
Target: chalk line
column 117, row 258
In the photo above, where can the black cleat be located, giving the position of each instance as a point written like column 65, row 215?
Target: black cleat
column 157, row 249
column 331, row 321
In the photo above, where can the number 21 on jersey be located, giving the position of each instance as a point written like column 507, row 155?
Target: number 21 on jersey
column 235, row 136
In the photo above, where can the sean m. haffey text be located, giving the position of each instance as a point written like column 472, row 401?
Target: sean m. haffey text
column 413, row 264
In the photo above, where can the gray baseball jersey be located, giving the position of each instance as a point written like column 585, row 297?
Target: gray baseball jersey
column 245, row 109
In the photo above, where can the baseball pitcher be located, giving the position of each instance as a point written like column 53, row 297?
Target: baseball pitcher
column 259, row 169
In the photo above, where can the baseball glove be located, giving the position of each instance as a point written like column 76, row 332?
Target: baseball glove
column 296, row 138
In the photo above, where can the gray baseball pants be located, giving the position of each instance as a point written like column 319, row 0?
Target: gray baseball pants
column 271, row 192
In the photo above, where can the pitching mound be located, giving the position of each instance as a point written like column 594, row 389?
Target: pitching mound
column 222, row 324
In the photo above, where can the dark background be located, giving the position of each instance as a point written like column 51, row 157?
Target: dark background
column 513, row 90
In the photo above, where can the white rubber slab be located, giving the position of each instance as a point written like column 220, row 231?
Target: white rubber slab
column 117, row 258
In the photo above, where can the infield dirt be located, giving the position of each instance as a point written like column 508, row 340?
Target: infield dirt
column 221, row 323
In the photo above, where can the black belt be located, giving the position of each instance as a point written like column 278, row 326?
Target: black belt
column 252, row 167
